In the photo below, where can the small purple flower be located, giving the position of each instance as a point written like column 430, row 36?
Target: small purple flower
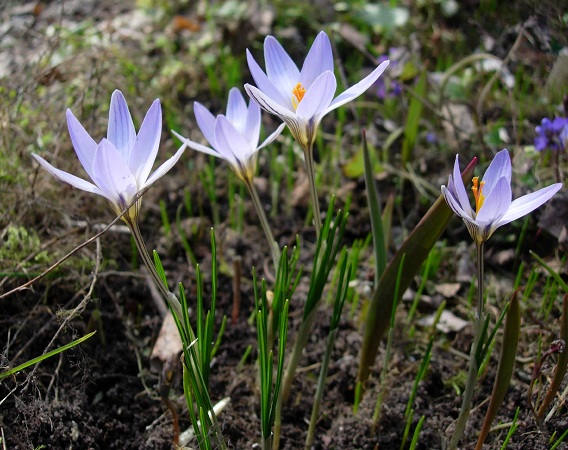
column 301, row 97
column 385, row 88
column 552, row 134
column 119, row 165
column 233, row 137
column 494, row 206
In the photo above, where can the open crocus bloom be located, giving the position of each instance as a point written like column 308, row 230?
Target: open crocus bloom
column 119, row 165
column 301, row 98
column 233, row 137
column 493, row 198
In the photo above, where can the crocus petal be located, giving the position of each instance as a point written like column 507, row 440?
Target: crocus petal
column 112, row 175
column 83, row 143
column 496, row 203
column 147, row 143
column 205, row 121
column 454, row 204
column 164, row 168
column 269, row 105
column 499, row 167
column 266, row 85
column 231, row 144
column 318, row 60
column 527, row 203
column 196, row 146
column 280, row 68
column 457, row 187
column 237, row 109
column 357, row 89
column 273, row 136
column 317, row 98
column 120, row 126
column 74, row 181
column 251, row 131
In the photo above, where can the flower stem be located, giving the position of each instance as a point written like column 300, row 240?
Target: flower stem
column 168, row 296
column 309, row 160
column 264, row 223
column 473, row 367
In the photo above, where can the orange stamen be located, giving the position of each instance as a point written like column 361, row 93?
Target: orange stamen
column 297, row 94
column 477, row 189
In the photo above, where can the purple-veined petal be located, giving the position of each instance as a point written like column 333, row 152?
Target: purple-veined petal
column 280, row 69
column 74, row 181
column 231, row 144
column 112, row 175
column 83, row 143
column 273, row 136
column 528, row 203
column 266, row 86
column 273, row 108
column 251, row 131
column 268, row 104
column 496, row 203
column 499, row 167
column 120, row 126
column 147, row 143
column 237, row 109
column 357, row 89
column 318, row 60
column 205, row 121
column 454, row 204
column 317, row 98
column 164, row 168
column 196, row 146
column 456, row 185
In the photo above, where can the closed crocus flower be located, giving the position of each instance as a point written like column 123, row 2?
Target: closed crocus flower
column 233, row 137
column 120, row 164
column 494, row 206
column 301, row 97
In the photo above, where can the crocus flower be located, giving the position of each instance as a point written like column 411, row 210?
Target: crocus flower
column 120, row 164
column 551, row 134
column 493, row 198
column 301, row 97
column 233, row 137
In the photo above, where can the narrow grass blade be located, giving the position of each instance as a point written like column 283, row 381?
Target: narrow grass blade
column 418, row 244
column 561, row 365
column 45, row 356
column 413, row 119
column 375, row 213
column 505, row 368
column 552, row 273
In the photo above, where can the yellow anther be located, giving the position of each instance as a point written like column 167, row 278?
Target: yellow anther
column 297, row 94
column 477, row 189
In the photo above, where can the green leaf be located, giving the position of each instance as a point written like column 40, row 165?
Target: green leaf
column 376, row 214
column 561, row 365
column 506, row 365
column 413, row 119
column 417, row 245
column 33, row 361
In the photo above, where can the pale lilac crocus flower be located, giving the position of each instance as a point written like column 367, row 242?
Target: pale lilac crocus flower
column 494, row 206
column 120, row 164
column 302, row 97
column 233, row 137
